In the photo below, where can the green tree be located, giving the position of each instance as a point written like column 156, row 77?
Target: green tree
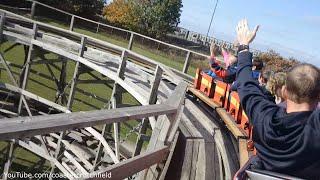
column 86, row 8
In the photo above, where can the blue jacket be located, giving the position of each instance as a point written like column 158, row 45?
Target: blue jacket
column 285, row 143
column 256, row 74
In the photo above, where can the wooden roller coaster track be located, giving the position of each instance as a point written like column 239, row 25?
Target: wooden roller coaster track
column 188, row 140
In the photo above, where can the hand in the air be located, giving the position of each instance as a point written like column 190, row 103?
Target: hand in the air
column 213, row 50
column 244, row 35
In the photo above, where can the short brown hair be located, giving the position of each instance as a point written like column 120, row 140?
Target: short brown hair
column 303, row 83
column 265, row 74
column 258, row 64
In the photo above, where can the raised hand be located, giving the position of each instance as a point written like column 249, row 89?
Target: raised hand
column 244, row 35
column 213, row 50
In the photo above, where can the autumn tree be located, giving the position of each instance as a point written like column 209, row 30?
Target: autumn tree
column 151, row 17
column 277, row 62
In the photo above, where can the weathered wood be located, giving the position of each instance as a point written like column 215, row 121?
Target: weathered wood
column 13, row 80
column 133, row 165
column 130, row 41
column 227, row 118
column 152, row 100
column 98, row 136
column 33, row 96
column 243, row 151
column 172, row 148
column 187, row 62
column 49, row 158
column 89, row 81
column 57, row 152
column 27, row 68
column 71, row 23
column 2, row 22
column 231, row 124
column 225, row 148
column 14, row 128
column 33, row 10
column 9, row 160
column 76, row 74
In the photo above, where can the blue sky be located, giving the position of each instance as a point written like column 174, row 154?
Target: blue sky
column 291, row 27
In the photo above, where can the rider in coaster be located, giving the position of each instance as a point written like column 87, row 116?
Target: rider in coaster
column 286, row 139
column 229, row 74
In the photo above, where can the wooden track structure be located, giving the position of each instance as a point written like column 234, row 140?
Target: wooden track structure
column 188, row 140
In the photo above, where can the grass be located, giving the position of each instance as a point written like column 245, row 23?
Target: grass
column 169, row 56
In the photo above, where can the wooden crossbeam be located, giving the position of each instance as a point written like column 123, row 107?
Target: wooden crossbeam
column 30, row 126
column 133, row 165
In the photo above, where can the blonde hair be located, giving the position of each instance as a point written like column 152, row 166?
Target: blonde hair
column 276, row 82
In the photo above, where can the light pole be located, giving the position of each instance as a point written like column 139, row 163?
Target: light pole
column 214, row 11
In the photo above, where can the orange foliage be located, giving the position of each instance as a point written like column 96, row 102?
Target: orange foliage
column 276, row 62
column 117, row 12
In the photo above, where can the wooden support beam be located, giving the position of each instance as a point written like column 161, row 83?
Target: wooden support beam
column 13, row 80
column 14, row 128
column 133, row 165
column 57, row 152
column 90, row 81
column 7, row 165
column 187, row 62
column 152, row 100
column 33, row 9
column 33, row 96
column 62, row 83
column 71, row 23
column 243, row 151
column 46, row 61
column 76, row 74
column 131, row 41
column 97, row 30
column 27, row 64
column 116, row 98
column 2, row 23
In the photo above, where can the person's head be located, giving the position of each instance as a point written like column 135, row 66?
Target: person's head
column 275, row 84
column 264, row 76
column 303, row 85
column 257, row 64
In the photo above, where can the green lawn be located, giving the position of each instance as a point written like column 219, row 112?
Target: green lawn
column 173, row 58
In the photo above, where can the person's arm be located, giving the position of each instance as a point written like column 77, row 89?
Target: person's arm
column 252, row 98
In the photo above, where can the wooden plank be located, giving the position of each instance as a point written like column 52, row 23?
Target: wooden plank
column 203, row 97
column 27, row 68
column 26, row 127
column 33, row 10
column 2, row 23
column 167, row 164
column 243, row 151
column 71, row 23
column 76, row 163
column 130, row 42
column 9, row 160
column 187, row 161
column 98, row 136
column 33, row 96
column 13, row 80
column 226, row 117
column 231, row 124
column 49, row 158
column 152, row 100
column 187, row 62
column 134, row 165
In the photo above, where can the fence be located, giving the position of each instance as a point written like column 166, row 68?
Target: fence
column 179, row 58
